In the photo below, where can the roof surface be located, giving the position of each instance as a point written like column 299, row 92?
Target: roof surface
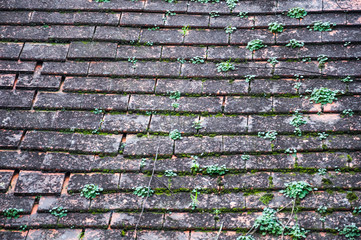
column 90, row 91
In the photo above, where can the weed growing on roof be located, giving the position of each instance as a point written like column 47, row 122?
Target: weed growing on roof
column 357, row 210
column 175, row 134
column 297, row 85
column 245, row 157
column 90, row 191
column 100, row 1
column 143, row 163
column 58, row 212
column 249, row 78
column 275, row 27
column 292, row 151
column 216, row 170
column 346, row 44
column 175, row 105
column 255, row 44
column 181, row 60
column 322, row 209
column 170, row 13
column 170, row 173
column 296, row 232
column 231, row 4
column 225, row 66
column 23, row 228
column 306, row 59
column 268, row 222
column 322, row 59
column 195, row 165
column 194, row 197
column 243, row 15
column 297, row 121
column 155, row 28
column 273, row 61
column 351, row 231
column 229, row 29
column 216, row 212
column 322, row 95
column 149, row 43
column 347, row 79
column 322, row 136
column 12, row 213
column 197, row 125
column 214, row 14
column 297, row 190
column 297, row 12
column 174, row 95
column 271, row 135
column 293, row 43
column 197, row 60
column 143, row 192
column 98, row 111
column 347, row 112
column 133, row 61
column 185, row 30
column 322, row 171
column 249, row 237
column 321, row 26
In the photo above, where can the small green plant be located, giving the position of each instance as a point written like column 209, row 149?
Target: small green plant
column 133, row 61
column 292, row 151
column 58, row 212
column 293, row 43
column 98, row 111
column 266, row 198
column 216, row 213
column 181, row 60
column 243, row 15
column 275, row 27
column 306, row 59
column 143, row 163
column 297, row 12
column 197, row 124
column 297, row 85
column 322, row 59
column 175, row 134
column 322, row 95
column 23, row 228
column 322, row 171
column 143, row 192
column 245, row 157
column 175, row 105
column 197, row 60
column 297, row 190
column 255, row 44
column 214, row 14
column 195, row 165
column 194, row 197
column 296, row 232
column 170, row 13
column 249, row 78
column 185, row 30
column 321, row 26
column 149, row 43
column 101, row 1
column 273, row 61
column 225, row 66
column 346, row 44
column 347, row 112
column 216, row 170
column 347, row 79
column 271, row 135
column 12, row 213
column 175, row 95
column 268, row 222
column 90, row 191
column 229, row 29
column 322, row 136
column 170, row 173
column 357, row 210
column 297, row 121
column 155, row 28
column 322, row 209
column 231, row 4
column 351, row 231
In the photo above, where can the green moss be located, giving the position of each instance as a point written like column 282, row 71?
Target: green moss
column 326, row 181
column 266, row 198
column 349, row 158
column 351, row 197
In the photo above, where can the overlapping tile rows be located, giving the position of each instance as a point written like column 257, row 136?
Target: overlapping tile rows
column 85, row 99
